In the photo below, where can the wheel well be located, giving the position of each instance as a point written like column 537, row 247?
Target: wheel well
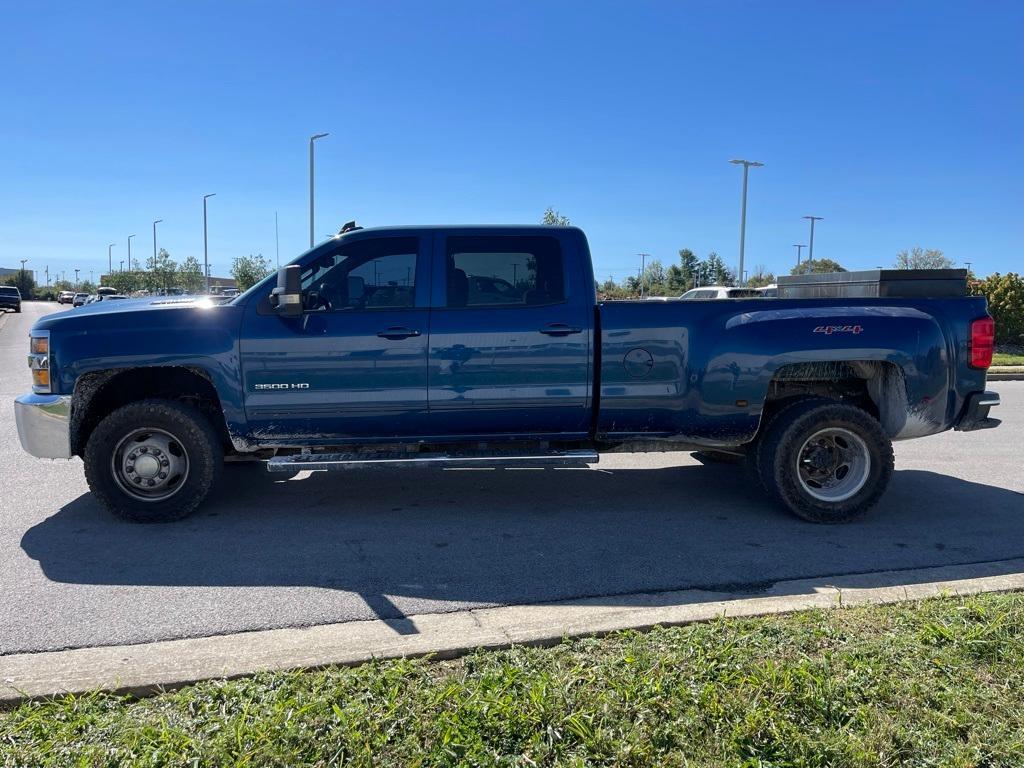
column 875, row 386
column 99, row 393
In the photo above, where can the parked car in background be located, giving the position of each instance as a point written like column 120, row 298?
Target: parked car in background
column 79, row 299
column 721, row 292
column 10, row 298
column 65, row 297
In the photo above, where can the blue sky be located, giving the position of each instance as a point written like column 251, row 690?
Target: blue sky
column 899, row 122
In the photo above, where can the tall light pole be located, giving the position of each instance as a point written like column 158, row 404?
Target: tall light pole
column 799, row 247
column 810, row 247
column 312, row 138
column 643, row 269
column 206, row 261
column 154, row 240
column 76, row 279
column 130, row 251
column 110, row 260
column 743, row 207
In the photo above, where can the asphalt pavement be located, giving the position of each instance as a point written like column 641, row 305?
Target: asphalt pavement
column 321, row 548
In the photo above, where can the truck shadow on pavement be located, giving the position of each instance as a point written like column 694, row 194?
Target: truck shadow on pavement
column 431, row 541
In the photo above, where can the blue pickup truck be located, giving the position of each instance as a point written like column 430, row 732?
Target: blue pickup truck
column 483, row 346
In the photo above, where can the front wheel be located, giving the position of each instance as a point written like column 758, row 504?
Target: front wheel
column 153, row 461
column 827, row 462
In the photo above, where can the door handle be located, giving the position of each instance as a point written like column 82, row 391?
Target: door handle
column 397, row 332
column 560, row 329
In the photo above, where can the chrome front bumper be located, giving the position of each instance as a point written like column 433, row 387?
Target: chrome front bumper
column 44, row 425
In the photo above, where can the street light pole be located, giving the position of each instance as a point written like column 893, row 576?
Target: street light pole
column 76, row 279
column 206, row 261
column 130, row 251
column 810, row 247
column 110, row 260
column 799, row 247
column 312, row 138
column 154, row 240
column 743, row 207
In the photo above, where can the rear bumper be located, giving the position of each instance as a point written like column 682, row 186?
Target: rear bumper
column 44, row 425
column 975, row 415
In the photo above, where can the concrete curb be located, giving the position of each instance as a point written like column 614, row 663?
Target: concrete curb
column 153, row 667
column 1006, row 373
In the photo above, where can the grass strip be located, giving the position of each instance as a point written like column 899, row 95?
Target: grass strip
column 938, row 682
column 1005, row 358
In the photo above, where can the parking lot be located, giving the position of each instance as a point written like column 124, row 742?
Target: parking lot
column 334, row 547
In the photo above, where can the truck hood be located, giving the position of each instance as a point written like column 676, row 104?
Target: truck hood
column 157, row 311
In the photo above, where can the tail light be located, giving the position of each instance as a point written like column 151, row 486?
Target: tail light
column 983, row 339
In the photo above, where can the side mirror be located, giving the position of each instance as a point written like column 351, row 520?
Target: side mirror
column 286, row 299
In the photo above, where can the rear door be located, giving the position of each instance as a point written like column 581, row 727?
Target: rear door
column 510, row 335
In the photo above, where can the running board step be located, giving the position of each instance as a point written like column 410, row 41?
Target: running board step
column 329, row 461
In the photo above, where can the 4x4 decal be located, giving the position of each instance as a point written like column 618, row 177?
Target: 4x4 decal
column 828, row 330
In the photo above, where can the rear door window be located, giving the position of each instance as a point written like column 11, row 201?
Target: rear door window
column 509, row 271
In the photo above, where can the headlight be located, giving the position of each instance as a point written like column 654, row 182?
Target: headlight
column 39, row 361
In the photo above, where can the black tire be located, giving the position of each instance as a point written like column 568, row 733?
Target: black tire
column 757, row 462
column 188, row 440
column 827, row 462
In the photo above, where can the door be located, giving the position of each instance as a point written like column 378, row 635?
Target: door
column 353, row 366
column 510, row 338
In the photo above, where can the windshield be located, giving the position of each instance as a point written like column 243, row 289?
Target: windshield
column 10, row 291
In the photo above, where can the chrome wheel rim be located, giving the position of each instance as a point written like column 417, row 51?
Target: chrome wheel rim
column 833, row 464
column 150, row 464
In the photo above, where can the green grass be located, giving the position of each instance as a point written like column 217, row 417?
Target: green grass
column 936, row 683
column 1003, row 358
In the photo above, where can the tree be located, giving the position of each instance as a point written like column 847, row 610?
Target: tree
column 654, row 274
column 714, row 271
column 921, row 258
column 761, row 277
column 190, row 275
column 553, row 218
column 249, row 270
column 125, row 282
column 162, row 271
column 674, row 280
column 688, row 265
column 23, row 281
column 818, row 266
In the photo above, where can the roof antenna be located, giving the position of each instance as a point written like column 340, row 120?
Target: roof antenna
column 348, row 226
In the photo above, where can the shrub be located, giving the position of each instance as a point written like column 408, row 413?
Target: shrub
column 1005, row 294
